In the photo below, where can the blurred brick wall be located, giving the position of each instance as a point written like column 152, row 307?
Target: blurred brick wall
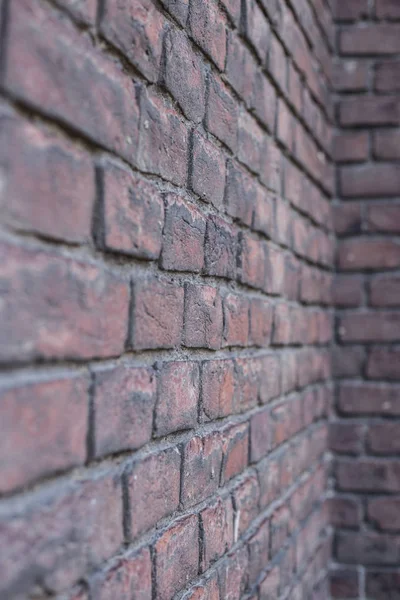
column 365, row 434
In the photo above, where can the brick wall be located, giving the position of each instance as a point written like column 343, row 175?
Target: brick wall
column 364, row 434
column 166, row 312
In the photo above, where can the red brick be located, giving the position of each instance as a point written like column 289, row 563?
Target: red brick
column 208, row 28
column 209, row 590
column 218, row 388
column 257, row 29
column 56, row 307
column 240, row 67
column 344, row 583
column 84, row 11
column 178, row 397
column 203, row 317
column 345, row 438
column 277, row 63
column 236, row 320
column 217, row 526
column 261, row 315
column 283, row 222
column 269, row 472
column 248, row 383
column 380, row 583
column 367, row 548
column 384, row 291
column 86, row 91
column 250, row 138
column 236, row 447
column 184, row 75
column 258, row 552
column 126, row 422
column 350, row 11
column 222, row 113
column 133, row 214
column 386, row 77
column 357, row 254
column 286, row 125
column 220, row 248
column 240, row 194
column 347, row 218
column 82, row 519
column 350, row 76
column 384, row 217
column 202, row 457
column 128, row 578
column 233, row 573
column 373, row 39
column 245, row 501
column 253, row 262
column 264, row 102
column 343, row 511
column 387, row 9
column 386, row 144
column 384, row 363
column 137, row 31
column 369, row 398
column 347, row 290
column 295, row 88
column 176, row 557
column 369, row 326
column 31, row 160
column 157, row 314
column 264, row 219
column 164, row 139
column 370, row 180
column 351, row 146
column 368, row 475
column 178, row 8
column 383, row 438
column 369, row 111
column 208, row 171
column 43, row 428
column 153, row 485
column 183, row 236
column 272, row 167
column 270, row 585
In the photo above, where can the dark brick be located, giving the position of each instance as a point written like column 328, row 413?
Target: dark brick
column 86, row 90
column 240, row 194
column 233, row 574
column 178, row 397
column 164, row 138
column 368, row 475
column 253, row 262
column 367, row 548
column 384, row 512
column 184, row 75
column 157, row 314
column 350, row 11
column 386, row 144
column 257, row 29
column 362, row 253
column 369, row 326
column 202, row 458
column 208, row 28
column 382, row 585
column 236, row 447
column 387, row 77
column 383, row 216
column 251, row 140
column 351, row 147
column 369, row 111
column 344, row 583
column 387, row 9
column 218, row 388
column 176, row 556
column 178, row 8
column 383, row 438
column 236, row 320
column 347, row 218
column 82, row 519
column 220, row 248
column 133, row 213
column 222, row 113
column 370, row 180
column 370, row 398
column 258, row 551
column 286, row 125
column 57, row 307
column 384, row 291
column 43, row 428
column 383, row 363
column 217, row 526
column 31, row 161
column 126, row 422
column 208, row 171
column 343, row 511
column 350, row 76
column 277, row 63
column 183, row 236
column 153, row 485
column 347, row 290
column 345, row 438
column 137, row 30
column 203, row 317
column 83, row 11
column 373, row 39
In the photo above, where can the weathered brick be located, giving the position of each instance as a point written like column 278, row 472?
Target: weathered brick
column 164, row 139
column 369, row 326
column 383, row 363
column 208, row 28
column 178, row 396
column 208, row 171
column 85, row 533
column 383, row 438
column 370, row 180
column 209, row 590
column 368, row 475
column 217, row 388
column 153, row 485
column 220, row 248
column 86, row 91
column 248, row 383
column 178, row 8
column 264, row 102
column 43, row 428
column 369, row 111
column 351, row 146
column 124, row 399
column 128, row 578
column 137, row 30
column 261, row 316
column 245, row 502
column 258, row 551
column 355, row 254
column 236, row 447
column 56, row 307
column 240, row 68
column 372, row 39
column 240, row 194
column 264, row 215
column 157, row 314
column 176, row 556
column 203, row 317
column 236, row 320
column 384, row 291
column 250, row 138
column 260, row 441
column 233, row 574
column 384, row 217
column 202, row 458
column 270, row 585
column 257, row 29
column 84, row 11
column 183, row 236
column 386, row 144
column 379, row 583
column 222, row 113
column 344, row 583
column 217, row 526
column 31, row 160
column 132, row 214
column 184, row 75
column 253, row 265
